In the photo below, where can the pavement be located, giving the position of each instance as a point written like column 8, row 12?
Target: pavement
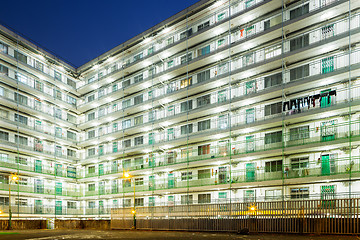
column 173, row 235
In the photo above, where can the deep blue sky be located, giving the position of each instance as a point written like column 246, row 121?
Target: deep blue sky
column 80, row 30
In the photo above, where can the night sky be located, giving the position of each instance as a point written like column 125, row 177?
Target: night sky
column 77, row 31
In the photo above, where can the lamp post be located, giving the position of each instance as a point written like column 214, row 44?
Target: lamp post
column 14, row 178
column 127, row 175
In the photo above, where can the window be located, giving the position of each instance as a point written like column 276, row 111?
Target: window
column 187, row 129
column 4, row 136
column 223, row 68
column 57, row 76
column 39, row 66
column 170, row 63
column 21, row 160
column 203, row 25
column 273, row 194
column 139, row 162
column 170, row 40
column 297, row 12
column 71, row 83
column 327, row 31
column 126, row 124
column 150, row 50
column 21, row 99
column 71, row 100
column 138, row 99
column 91, row 187
column 71, row 205
column 138, row 120
column 21, row 140
column 3, row 48
column 115, row 147
column 250, row 115
column 204, row 50
column 91, row 152
column 114, row 87
column 203, row 76
column 203, row 174
column 204, row 198
column 299, row 72
column 186, row 199
column 186, row 58
column 221, row 16
column 223, row 122
column 203, row 150
column 71, row 118
column 71, row 153
column 91, row 134
column 299, row 193
column 203, row 125
column 299, row 133
column 91, row 169
column 186, row 82
column 299, row 42
column 126, row 103
column 126, row 83
column 3, row 70
column 139, row 140
column 91, row 116
column 273, row 80
column 203, row 101
column 20, row 57
column 222, row 96
column 138, row 78
column 185, row 106
column 273, row 166
column 127, row 143
column 58, row 113
column 91, row 204
column 299, row 163
column 139, row 202
column 139, row 181
column 273, row 137
column 138, row 57
column 186, row 34
column 220, row 42
column 272, row 109
column 20, row 119
column 186, row 176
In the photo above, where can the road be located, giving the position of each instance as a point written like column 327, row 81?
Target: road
column 127, row 235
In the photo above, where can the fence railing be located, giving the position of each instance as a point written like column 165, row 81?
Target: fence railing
column 325, row 216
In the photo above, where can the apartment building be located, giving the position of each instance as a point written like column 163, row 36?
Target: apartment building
column 226, row 101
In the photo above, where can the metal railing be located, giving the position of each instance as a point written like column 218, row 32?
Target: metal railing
column 325, row 216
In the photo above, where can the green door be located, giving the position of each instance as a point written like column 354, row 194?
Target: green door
column 58, row 208
column 325, row 101
column 171, row 180
column 58, row 188
column 325, row 164
column 38, row 166
column 38, row 207
column 152, row 160
column 250, row 172
column 101, row 169
column 151, row 138
column 58, row 170
column 101, row 150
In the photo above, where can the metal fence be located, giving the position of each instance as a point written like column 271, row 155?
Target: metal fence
column 329, row 216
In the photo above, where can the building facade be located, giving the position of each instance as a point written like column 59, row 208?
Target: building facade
column 226, row 101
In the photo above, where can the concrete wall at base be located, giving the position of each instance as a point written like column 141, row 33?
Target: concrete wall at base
column 23, row 224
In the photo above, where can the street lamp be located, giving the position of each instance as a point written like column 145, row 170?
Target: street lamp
column 127, row 175
column 14, row 178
